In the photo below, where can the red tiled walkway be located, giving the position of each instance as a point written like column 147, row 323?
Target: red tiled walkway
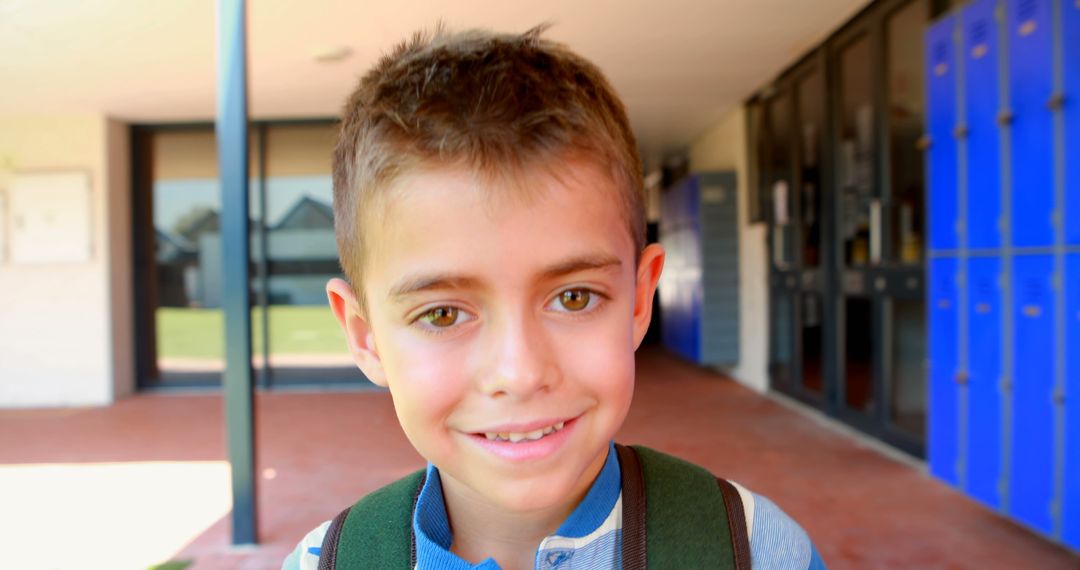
column 319, row 451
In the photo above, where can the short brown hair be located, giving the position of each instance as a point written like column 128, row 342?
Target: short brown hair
column 495, row 103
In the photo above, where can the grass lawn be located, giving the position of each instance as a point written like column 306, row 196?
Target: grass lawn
column 174, row 565
column 294, row 329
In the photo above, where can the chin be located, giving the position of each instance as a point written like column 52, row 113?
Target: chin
column 530, row 498
column 542, row 492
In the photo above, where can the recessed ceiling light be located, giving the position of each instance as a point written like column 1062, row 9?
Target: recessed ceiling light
column 328, row 54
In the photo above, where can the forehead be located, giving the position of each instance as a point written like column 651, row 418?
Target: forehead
column 450, row 220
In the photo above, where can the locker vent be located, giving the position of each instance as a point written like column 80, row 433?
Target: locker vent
column 980, row 31
column 1033, row 291
column 941, row 52
column 1026, row 10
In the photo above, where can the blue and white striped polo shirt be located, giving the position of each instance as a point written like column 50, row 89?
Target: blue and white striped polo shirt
column 590, row 538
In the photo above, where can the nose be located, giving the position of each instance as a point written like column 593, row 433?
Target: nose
column 522, row 363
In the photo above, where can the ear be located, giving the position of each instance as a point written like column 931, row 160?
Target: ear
column 358, row 333
column 648, row 275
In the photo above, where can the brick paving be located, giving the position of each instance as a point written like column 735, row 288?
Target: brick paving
column 319, row 451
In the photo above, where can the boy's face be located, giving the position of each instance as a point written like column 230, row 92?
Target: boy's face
column 491, row 314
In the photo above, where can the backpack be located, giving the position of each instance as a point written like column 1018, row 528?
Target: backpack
column 675, row 515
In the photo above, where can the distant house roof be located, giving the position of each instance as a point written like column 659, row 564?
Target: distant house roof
column 171, row 248
column 307, row 214
column 207, row 222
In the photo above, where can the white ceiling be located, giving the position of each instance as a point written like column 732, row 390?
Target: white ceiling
column 678, row 64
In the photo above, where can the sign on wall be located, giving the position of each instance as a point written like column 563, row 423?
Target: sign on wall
column 49, row 217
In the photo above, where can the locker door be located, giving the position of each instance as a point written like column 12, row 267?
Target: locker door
column 682, row 316
column 1071, row 502
column 670, row 286
column 984, row 428
column 943, row 437
column 941, row 120
column 1030, row 87
column 694, row 283
column 981, row 94
column 1070, row 12
column 681, row 291
column 1031, row 485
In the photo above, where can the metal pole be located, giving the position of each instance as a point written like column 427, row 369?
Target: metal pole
column 232, row 143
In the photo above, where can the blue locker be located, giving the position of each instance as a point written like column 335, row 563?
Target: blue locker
column 681, row 292
column 695, row 286
column 1070, row 12
column 671, row 325
column 941, row 120
column 692, row 202
column 679, row 327
column 1071, row 502
column 1031, row 86
column 982, row 106
column 943, row 436
column 984, row 396
column 1031, row 485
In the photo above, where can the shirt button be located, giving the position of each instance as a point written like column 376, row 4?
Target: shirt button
column 557, row 558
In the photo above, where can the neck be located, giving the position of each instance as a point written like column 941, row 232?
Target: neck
column 511, row 538
column 485, row 530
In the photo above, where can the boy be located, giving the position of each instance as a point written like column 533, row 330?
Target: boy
column 489, row 214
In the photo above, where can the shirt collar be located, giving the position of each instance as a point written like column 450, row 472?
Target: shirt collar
column 431, row 526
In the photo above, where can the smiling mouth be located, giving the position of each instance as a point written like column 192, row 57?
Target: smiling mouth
column 516, row 437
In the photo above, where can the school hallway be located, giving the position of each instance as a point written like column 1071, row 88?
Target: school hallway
column 157, row 460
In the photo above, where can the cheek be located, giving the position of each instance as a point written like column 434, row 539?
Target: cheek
column 601, row 357
column 423, row 379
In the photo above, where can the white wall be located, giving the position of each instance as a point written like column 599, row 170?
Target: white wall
column 66, row 329
column 723, row 146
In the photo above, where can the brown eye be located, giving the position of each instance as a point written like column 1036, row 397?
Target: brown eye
column 574, row 299
column 441, row 316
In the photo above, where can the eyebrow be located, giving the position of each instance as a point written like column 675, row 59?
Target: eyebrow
column 441, row 281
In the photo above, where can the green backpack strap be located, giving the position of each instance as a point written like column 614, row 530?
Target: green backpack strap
column 377, row 530
column 691, row 518
column 673, row 517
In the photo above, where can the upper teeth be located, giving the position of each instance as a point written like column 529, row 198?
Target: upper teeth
column 515, row 436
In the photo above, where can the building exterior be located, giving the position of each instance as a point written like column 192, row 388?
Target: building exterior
column 830, row 291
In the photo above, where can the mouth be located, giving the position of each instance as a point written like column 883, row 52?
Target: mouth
column 525, row 442
column 519, row 436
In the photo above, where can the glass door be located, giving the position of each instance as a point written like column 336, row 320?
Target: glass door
column 902, row 287
column 178, row 256
column 858, row 219
column 878, row 120
column 177, row 203
column 795, row 182
column 841, row 173
column 303, row 340
column 777, row 156
column 811, row 182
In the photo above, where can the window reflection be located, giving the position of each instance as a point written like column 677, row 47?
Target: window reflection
column 778, row 176
column 293, row 252
column 905, row 120
column 859, row 349
column 186, row 291
column 305, row 342
column 810, row 93
column 782, row 341
column 856, row 150
column 812, row 342
column 908, row 374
